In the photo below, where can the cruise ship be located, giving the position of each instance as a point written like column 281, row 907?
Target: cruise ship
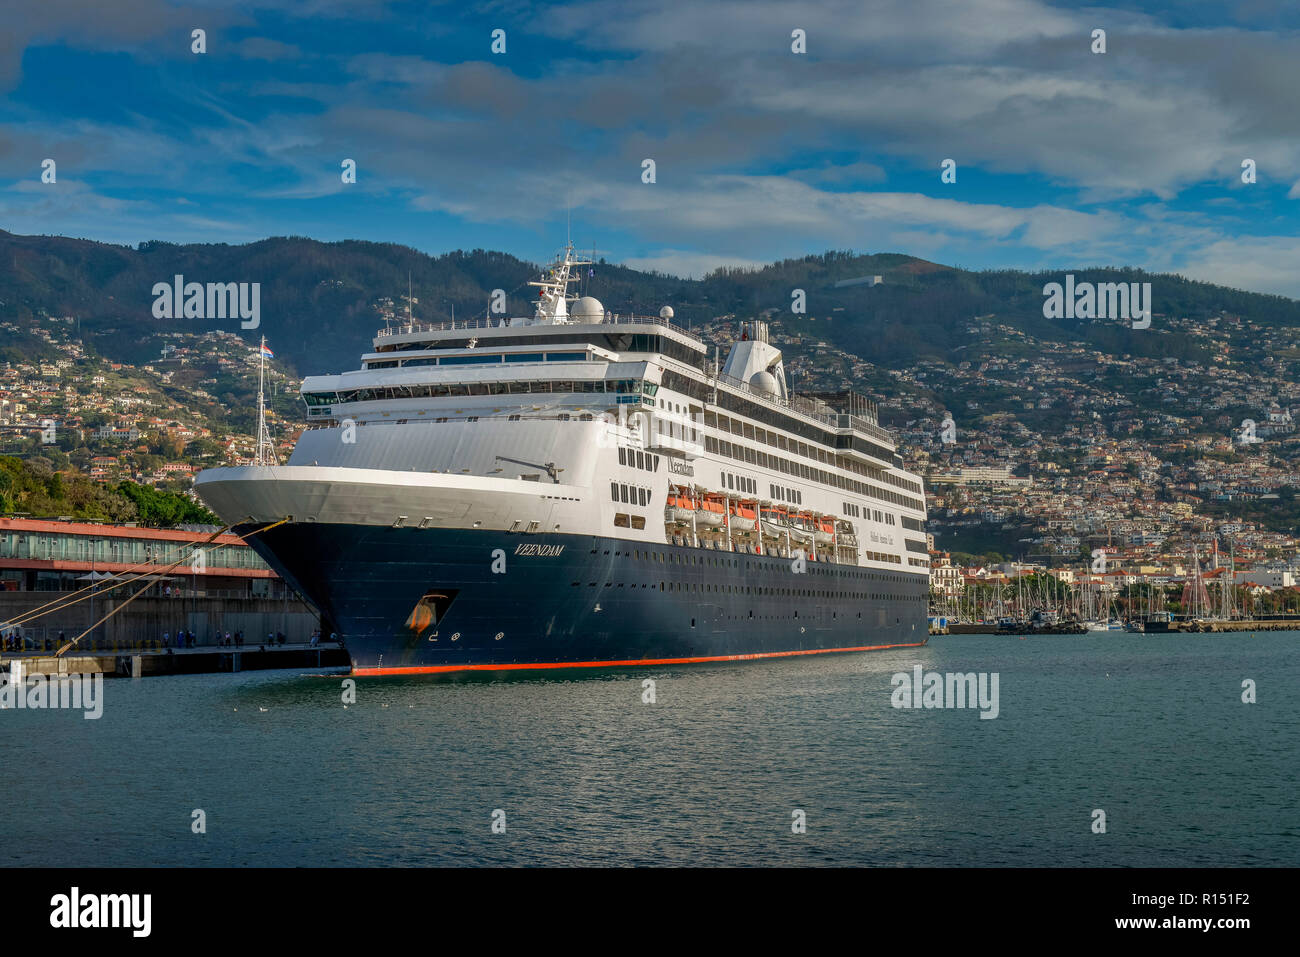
column 579, row 488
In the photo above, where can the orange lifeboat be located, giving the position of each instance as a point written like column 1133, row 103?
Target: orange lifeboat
column 681, row 506
column 711, row 511
column 742, row 516
column 776, row 520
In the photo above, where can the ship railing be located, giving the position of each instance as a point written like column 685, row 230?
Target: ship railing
column 613, row 319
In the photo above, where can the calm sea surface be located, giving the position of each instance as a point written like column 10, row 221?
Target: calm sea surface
column 1152, row 730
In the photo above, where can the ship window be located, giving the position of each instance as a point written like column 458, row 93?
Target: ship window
column 613, row 490
column 621, row 520
column 622, row 456
column 524, row 357
column 640, row 459
column 638, row 521
column 565, row 356
column 469, row 360
column 622, row 493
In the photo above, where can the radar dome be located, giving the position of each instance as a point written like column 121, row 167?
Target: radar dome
column 666, row 312
column 588, row 307
column 764, row 381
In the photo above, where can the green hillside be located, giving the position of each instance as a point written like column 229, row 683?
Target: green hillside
column 317, row 299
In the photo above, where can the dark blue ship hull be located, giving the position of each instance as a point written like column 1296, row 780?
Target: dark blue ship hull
column 409, row 600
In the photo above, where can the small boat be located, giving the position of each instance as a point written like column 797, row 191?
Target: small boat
column 711, row 511
column 800, row 531
column 681, row 507
column 824, row 531
column 775, row 521
column 802, row 528
column 742, row 517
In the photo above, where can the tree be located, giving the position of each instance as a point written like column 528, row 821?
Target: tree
column 160, row 509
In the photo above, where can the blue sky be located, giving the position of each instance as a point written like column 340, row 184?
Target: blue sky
column 1065, row 158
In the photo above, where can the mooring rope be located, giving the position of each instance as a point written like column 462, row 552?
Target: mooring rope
column 67, row 601
column 70, row 644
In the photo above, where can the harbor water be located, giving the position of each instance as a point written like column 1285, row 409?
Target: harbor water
column 802, row 761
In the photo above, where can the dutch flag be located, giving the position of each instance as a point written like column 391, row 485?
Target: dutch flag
column 266, row 351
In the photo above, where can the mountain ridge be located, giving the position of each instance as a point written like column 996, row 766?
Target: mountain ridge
column 319, row 300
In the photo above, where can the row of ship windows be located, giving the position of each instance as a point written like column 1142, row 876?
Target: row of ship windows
column 724, row 589
column 786, row 494
column 838, row 571
column 780, row 441
column 764, row 460
column 739, row 483
column 704, row 391
column 478, row 359
column 883, row 557
column 638, row 459
column 918, row 562
column 506, row 387
column 872, row 514
column 629, row 494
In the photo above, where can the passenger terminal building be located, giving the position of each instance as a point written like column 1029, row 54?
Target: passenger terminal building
column 42, row 560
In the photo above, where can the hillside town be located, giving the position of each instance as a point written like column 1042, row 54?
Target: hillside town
column 156, row 423
column 1040, row 456
column 1110, row 473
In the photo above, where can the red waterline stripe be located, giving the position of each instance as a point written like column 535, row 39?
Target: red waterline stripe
column 435, row 669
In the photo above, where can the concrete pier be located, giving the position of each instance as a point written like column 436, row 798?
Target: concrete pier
column 139, row 663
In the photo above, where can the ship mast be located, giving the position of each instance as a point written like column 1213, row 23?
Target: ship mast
column 265, row 449
column 552, row 302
